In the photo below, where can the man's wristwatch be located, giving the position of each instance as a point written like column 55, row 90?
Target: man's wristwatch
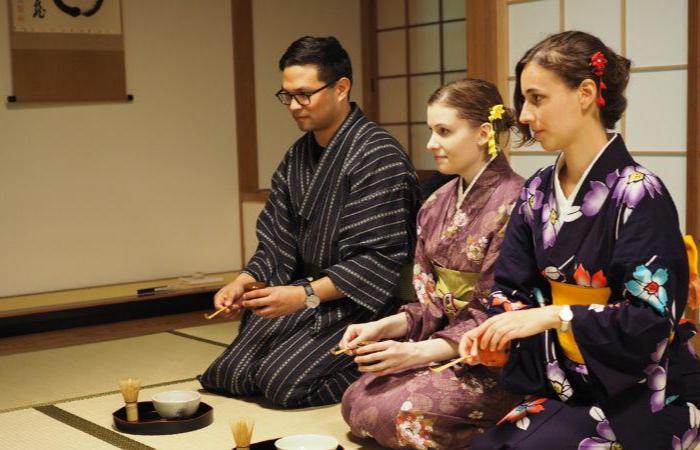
column 565, row 318
column 312, row 300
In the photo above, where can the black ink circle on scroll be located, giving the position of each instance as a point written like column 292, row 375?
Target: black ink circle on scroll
column 75, row 11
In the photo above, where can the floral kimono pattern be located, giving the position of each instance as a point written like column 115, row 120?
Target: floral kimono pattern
column 419, row 408
column 620, row 232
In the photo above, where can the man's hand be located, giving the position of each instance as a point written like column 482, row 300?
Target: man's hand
column 275, row 301
column 230, row 295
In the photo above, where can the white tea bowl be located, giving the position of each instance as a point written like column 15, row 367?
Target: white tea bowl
column 176, row 404
column 307, row 442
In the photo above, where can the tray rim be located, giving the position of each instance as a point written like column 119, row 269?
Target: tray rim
column 206, row 417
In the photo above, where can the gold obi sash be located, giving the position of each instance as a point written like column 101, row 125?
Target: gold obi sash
column 572, row 294
column 455, row 288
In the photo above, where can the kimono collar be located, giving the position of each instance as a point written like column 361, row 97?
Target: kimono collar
column 562, row 200
column 331, row 161
column 613, row 156
column 488, row 176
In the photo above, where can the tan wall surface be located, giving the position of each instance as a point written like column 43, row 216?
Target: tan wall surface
column 276, row 24
column 95, row 194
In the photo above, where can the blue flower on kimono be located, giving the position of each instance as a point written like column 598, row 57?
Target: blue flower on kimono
column 558, row 380
column 633, row 184
column 657, row 383
column 532, row 200
column 690, row 438
column 606, row 439
column 649, row 288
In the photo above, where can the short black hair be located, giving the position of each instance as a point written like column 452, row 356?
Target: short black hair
column 325, row 53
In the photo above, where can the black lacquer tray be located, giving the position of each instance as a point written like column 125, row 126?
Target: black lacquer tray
column 270, row 445
column 151, row 423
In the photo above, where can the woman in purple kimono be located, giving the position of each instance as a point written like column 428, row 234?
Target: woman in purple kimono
column 592, row 279
column 399, row 401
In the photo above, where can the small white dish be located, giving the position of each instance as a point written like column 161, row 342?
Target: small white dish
column 307, row 442
column 176, row 404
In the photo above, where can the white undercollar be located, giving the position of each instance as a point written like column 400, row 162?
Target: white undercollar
column 461, row 192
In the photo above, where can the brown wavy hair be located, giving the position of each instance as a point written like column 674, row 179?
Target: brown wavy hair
column 568, row 55
column 473, row 98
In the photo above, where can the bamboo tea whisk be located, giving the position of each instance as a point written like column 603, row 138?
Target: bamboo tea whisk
column 130, row 391
column 242, row 431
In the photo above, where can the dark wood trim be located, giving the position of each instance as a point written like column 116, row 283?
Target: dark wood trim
column 482, row 58
column 693, row 140
column 259, row 196
column 407, row 36
column 244, row 88
column 368, row 23
column 244, row 99
column 487, row 43
column 417, row 25
column 106, row 313
column 418, row 74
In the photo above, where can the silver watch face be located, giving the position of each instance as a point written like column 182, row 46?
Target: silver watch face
column 312, row 301
column 565, row 314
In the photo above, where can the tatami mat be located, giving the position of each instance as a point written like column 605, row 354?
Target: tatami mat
column 79, row 385
column 29, row 429
column 222, row 331
column 269, row 423
column 48, row 376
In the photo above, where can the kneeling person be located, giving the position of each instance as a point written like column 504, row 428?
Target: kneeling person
column 341, row 211
column 399, row 401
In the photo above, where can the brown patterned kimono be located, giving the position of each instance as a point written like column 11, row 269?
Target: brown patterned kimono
column 453, row 275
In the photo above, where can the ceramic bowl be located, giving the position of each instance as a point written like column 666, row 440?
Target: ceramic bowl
column 176, row 404
column 307, row 442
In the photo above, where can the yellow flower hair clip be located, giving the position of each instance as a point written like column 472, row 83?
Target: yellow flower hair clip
column 495, row 113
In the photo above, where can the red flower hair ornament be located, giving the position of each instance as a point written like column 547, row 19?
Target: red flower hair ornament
column 598, row 62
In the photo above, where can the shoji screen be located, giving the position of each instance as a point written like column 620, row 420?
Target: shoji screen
column 421, row 45
column 654, row 36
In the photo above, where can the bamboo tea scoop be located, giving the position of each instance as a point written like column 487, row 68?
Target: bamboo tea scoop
column 246, row 288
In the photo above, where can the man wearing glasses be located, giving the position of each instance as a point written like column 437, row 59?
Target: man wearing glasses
column 333, row 237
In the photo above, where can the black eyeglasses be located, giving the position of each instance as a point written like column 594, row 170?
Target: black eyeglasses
column 302, row 98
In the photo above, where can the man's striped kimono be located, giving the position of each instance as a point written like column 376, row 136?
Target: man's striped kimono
column 349, row 215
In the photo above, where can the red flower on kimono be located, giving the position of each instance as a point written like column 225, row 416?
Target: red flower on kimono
column 520, row 412
column 583, row 278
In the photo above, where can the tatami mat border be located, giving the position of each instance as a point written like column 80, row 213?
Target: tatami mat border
column 98, row 431
column 85, row 397
column 197, row 338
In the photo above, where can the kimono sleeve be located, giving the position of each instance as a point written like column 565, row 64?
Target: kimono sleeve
column 376, row 234
column 622, row 341
column 276, row 229
column 515, row 271
column 424, row 316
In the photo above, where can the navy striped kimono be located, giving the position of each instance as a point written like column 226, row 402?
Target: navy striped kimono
column 349, row 216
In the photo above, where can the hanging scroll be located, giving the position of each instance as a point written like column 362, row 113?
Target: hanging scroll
column 67, row 50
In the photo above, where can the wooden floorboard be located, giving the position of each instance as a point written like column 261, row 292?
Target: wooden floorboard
column 98, row 333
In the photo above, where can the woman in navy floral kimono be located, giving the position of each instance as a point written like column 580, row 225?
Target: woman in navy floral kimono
column 592, row 279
